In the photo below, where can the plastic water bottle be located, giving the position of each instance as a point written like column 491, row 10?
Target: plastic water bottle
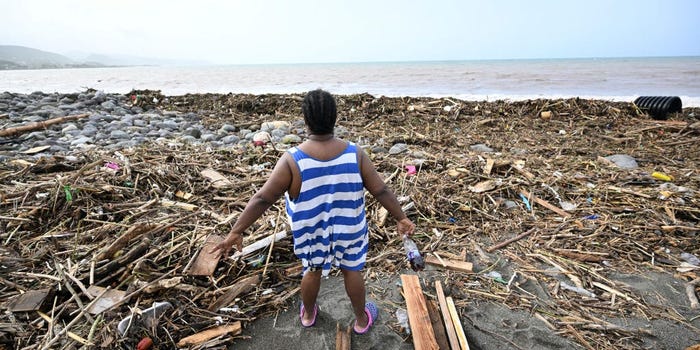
column 413, row 255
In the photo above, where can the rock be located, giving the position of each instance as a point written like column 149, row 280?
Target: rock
column 262, row 136
column 623, row 161
column 118, row 134
column 398, row 148
column 208, row 137
column 228, row 128
column 51, row 112
column 34, row 119
column 230, row 139
column 108, row 105
column 125, row 144
column 278, row 133
column 36, row 135
column 195, row 133
column 278, row 124
column 188, row 139
column 69, row 127
column 169, row 124
column 81, row 141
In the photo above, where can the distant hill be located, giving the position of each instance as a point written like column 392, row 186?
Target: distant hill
column 21, row 57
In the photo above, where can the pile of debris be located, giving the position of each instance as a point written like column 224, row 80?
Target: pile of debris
column 105, row 248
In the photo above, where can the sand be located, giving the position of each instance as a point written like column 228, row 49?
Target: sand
column 488, row 325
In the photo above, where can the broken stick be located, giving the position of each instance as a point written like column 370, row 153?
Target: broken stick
column 201, row 337
column 544, row 203
column 509, row 241
column 39, row 125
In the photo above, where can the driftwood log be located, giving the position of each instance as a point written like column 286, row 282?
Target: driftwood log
column 39, row 125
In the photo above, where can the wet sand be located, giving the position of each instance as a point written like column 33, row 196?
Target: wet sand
column 488, row 325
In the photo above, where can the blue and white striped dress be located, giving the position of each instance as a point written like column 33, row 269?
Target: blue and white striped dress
column 328, row 219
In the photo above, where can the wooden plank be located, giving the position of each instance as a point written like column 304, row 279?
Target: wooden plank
column 438, row 325
column 454, row 265
column 544, row 203
column 446, row 317
column 242, row 286
column 201, row 337
column 217, row 180
column 457, row 323
column 489, row 166
column 206, row 261
column 418, row 317
column 29, row 301
column 107, row 298
column 342, row 338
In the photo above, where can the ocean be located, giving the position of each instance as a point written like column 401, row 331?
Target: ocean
column 615, row 79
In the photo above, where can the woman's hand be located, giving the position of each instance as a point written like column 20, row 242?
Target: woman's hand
column 224, row 247
column 405, row 226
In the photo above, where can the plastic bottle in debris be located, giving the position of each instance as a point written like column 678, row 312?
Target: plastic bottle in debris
column 413, row 255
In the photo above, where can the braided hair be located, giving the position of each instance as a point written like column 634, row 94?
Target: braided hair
column 319, row 112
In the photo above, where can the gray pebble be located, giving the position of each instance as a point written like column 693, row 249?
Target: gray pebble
column 228, row 128
column 69, row 127
column 37, row 135
column 278, row 133
column 168, row 124
column 208, row 137
column 231, row 139
column 196, row 133
column 118, row 134
column 189, row 139
column 81, row 140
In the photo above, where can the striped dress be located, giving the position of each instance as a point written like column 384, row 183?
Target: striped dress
column 328, row 218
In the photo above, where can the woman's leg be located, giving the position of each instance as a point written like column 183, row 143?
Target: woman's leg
column 310, row 284
column 355, row 287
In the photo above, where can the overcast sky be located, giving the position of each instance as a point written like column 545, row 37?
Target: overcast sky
column 296, row 31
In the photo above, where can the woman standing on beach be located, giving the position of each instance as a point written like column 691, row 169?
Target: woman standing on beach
column 323, row 180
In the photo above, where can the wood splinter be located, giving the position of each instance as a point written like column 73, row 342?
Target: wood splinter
column 690, row 291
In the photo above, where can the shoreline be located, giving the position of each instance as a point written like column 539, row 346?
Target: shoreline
column 609, row 270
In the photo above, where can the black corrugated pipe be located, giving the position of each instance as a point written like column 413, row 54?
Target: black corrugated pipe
column 659, row 106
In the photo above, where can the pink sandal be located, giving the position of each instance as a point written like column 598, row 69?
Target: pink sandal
column 372, row 313
column 301, row 316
